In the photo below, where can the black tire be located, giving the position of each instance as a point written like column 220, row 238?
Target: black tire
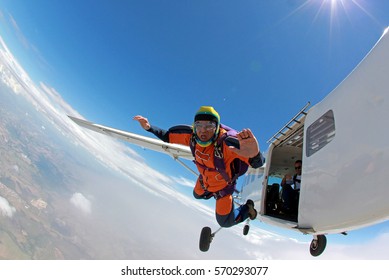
column 246, row 229
column 317, row 246
column 205, row 239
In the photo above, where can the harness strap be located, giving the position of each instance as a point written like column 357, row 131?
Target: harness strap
column 220, row 167
column 229, row 189
column 218, row 160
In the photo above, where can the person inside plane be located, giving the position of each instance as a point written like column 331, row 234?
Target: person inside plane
column 219, row 159
column 291, row 189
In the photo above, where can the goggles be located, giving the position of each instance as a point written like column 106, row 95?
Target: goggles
column 205, row 126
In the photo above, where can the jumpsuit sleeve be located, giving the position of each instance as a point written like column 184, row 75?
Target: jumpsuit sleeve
column 255, row 162
column 179, row 134
column 159, row 132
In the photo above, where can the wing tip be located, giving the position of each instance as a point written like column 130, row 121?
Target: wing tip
column 79, row 121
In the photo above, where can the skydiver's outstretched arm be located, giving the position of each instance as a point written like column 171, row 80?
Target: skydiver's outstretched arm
column 145, row 124
column 248, row 147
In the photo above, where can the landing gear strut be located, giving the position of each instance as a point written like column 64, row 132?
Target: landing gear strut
column 318, row 245
column 206, row 236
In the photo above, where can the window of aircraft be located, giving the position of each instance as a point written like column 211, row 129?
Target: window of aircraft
column 320, row 133
column 252, row 176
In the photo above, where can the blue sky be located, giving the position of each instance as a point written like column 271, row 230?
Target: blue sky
column 257, row 62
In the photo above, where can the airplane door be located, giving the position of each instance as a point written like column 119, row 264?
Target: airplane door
column 345, row 173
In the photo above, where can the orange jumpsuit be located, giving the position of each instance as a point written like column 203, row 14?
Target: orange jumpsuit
column 210, row 180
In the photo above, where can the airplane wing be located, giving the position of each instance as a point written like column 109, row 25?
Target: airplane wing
column 174, row 150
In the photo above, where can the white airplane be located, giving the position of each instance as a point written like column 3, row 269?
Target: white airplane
column 343, row 144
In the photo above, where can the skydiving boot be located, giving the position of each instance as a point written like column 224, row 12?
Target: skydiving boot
column 252, row 212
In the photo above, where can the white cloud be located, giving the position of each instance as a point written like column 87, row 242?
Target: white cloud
column 5, row 208
column 81, row 203
column 24, row 41
column 15, row 168
column 18, row 32
column 375, row 249
column 184, row 181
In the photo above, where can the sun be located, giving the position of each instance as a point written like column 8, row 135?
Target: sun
column 346, row 8
column 344, row 5
column 332, row 11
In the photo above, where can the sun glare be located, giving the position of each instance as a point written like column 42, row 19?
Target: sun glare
column 334, row 11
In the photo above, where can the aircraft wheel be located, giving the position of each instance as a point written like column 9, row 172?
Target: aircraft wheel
column 318, row 245
column 206, row 237
column 246, row 229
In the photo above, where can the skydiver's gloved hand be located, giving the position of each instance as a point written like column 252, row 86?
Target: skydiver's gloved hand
column 248, row 144
column 144, row 122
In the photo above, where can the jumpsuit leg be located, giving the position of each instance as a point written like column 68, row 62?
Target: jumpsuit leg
column 227, row 215
column 199, row 192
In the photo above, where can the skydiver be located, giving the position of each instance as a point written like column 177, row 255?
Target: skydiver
column 220, row 158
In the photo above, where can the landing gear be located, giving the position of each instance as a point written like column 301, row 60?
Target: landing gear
column 206, row 237
column 246, row 228
column 318, row 245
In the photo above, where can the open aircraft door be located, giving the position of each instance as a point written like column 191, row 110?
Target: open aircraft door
column 346, row 150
